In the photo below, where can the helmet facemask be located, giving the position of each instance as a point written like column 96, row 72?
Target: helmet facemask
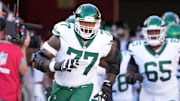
column 88, row 28
column 154, row 35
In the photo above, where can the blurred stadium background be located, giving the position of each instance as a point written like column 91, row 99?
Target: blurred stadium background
column 133, row 12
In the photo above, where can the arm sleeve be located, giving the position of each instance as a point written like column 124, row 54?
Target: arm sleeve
column 132, row 66
column 49, row 48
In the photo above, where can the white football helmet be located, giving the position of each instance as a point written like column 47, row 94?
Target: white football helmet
column 87, row 13
column 154, row 30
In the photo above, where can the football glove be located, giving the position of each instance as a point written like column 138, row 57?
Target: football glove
column 105, row 92
column 134, row 78
column 66, row 65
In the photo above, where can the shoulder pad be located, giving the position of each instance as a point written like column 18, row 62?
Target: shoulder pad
column 136, row 43
column 60, row 27
column 173, row 40
column 106, row 35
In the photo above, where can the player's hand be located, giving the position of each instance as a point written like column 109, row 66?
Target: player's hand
column 139, row 78
column 134, row 78
column 105, row 92
column 36, row 59
column 36, row 55
column 68, row 65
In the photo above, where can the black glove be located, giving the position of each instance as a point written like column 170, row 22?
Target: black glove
column 66, row 65
column 39, row 60
column 39, row 52
column 134, row 78
column 105, row 92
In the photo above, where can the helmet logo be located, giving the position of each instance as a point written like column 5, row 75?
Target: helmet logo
column 79, row 10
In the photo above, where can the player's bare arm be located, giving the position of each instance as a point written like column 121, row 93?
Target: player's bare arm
column 113, row 64
column 132, row 74
column 42, row 58
column 112, row 69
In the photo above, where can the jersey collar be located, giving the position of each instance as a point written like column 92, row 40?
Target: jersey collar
column 156, row 53
column 81, row 42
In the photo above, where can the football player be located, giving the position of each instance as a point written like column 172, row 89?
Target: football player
column 173, row 31
column 170, row 17
column 122, row 91
column 70, row 19
column 77, row 49
column 154, row 62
